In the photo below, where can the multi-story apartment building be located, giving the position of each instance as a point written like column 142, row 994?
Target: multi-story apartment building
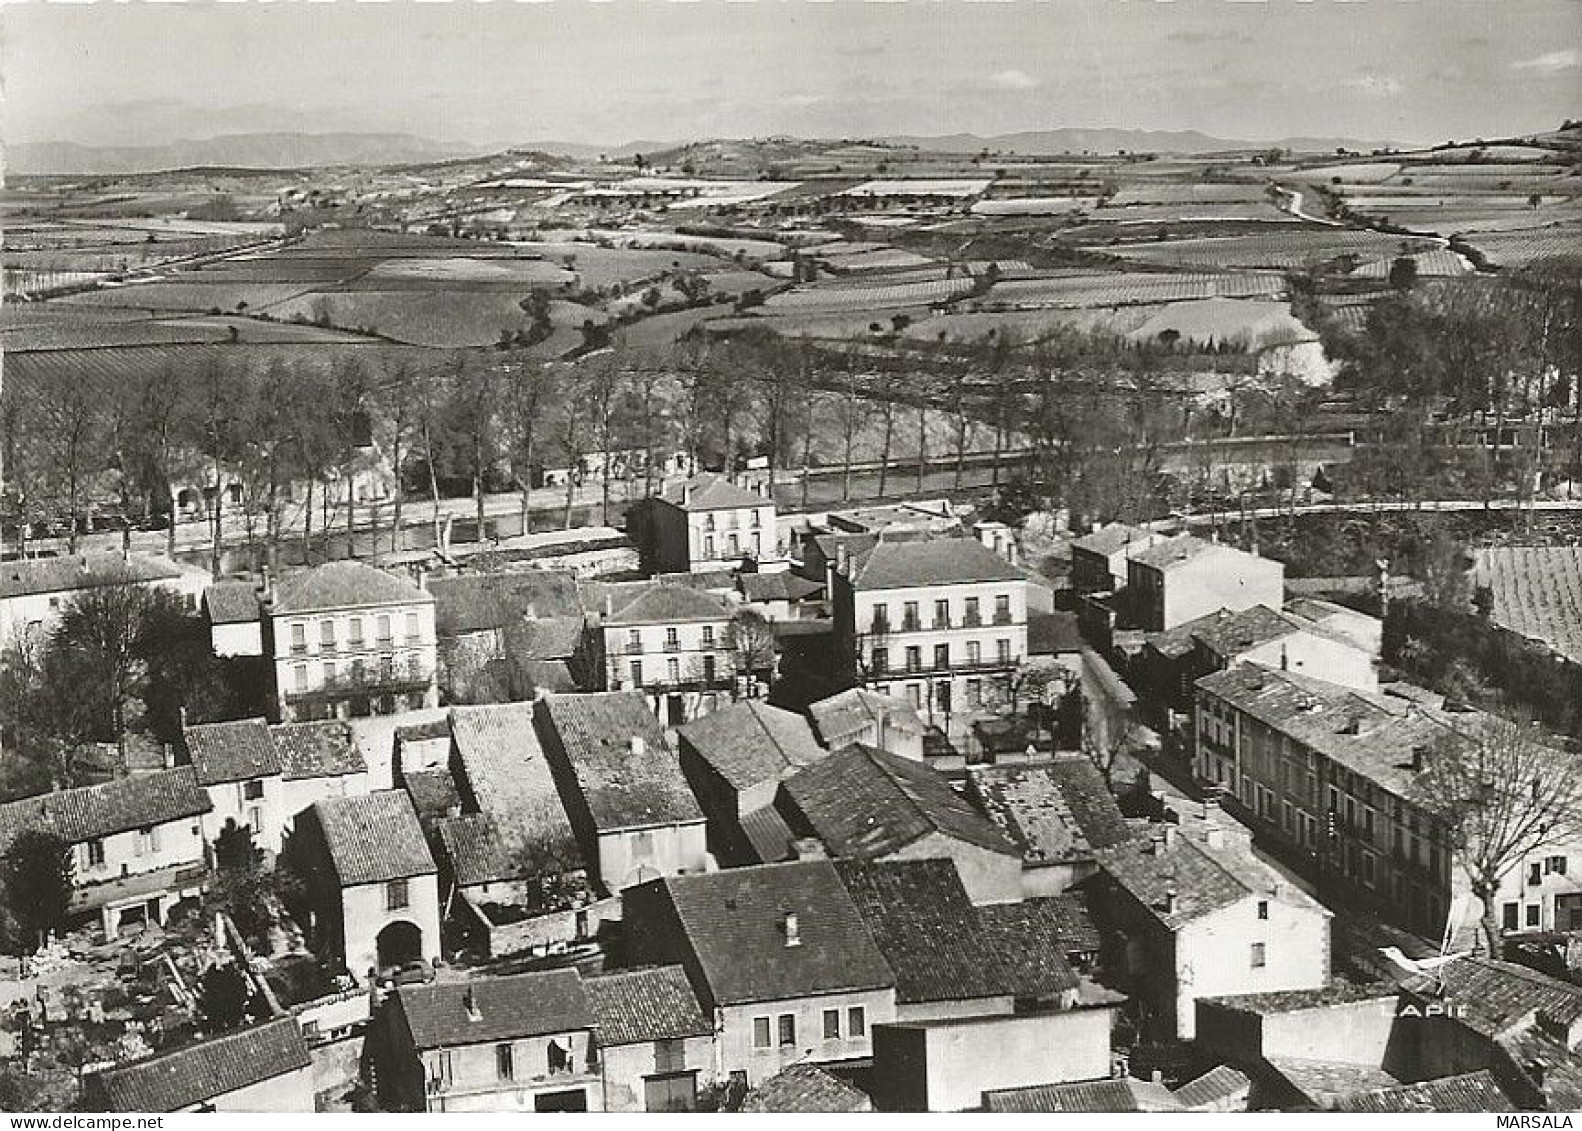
column 706, row 522
column 942, row 622
column 1183, row 578
column 1329, row 771
column 673, row 643
column 350, row 640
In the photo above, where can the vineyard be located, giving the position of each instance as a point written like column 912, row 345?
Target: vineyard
column 869, row 296
column 1121, row 288
column 1277, row 250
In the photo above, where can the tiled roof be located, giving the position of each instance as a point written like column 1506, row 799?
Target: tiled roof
column 1372, row 735
column 501, row 767
column 805, row 1089
column 1562, row 1068
column 750, row 742
column 1324, row 1081
column 373, row 837
column 171, row 1081
column 668, row 604
column 231, row 602
column 233, row 751
column 433, row 793
column 782, row 585
column 734, row 924
column 1215, row 1086
column 842, row 717
column 1203, row 879
column 624, row 788
column 477, row 851
column 72, row 572
column 482, row 1010
column 931, row 935
column 652, row 1004
column 1111, row 539
column 90, row 812
column 548, row 638
column 489, row 601
column 940, row 561
column 1060, row 923
column 1056, row 811
column 549, row 677
column 1177, row 551
column 867, row 803
column 1291, row 1001
column 1119, row 1094
column 766, row 830
column 325, row 749
column 1474, row 1092
column 1227, row 633
column 1494, row 997
column 343, row 585
column 707, row 491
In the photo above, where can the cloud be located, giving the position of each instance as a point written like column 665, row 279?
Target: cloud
column 1377, row 86
column 1567, row 60
column 1014, row 80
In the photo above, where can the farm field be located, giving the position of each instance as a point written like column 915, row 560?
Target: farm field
column 1278, row 251
column 877, row 295
column 1120, row 288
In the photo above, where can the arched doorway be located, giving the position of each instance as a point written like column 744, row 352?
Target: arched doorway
column 399, row 943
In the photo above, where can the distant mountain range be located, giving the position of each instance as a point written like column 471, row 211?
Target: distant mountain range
column 296, row 150
column 237, row 151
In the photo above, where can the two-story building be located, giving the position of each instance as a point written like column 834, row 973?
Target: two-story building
column 1328, row 771
column 375, row 886
column 673, row 644
column 942, row 622
column 1186, row 577
column 1098, row 559
column 516, row 1043
column 1191, row 913
column 350, row 640
column 633, row 814
column 857, row 715
column 656, row 1046
column 779, row 957
column 705, row 522
column 35, row 591
column 137, row 843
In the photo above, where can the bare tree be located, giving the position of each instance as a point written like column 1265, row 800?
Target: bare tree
column 751, row 640
column 1500, row 794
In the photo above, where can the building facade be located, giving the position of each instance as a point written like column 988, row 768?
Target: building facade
column 673, row 644
column 1183, row 578
column 706, row 522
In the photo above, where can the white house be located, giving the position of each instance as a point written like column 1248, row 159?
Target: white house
column 349, row 640
column 1185, row 577
column 673, row 644
column 34, row 591
column 265, row 1069
column 706, row 522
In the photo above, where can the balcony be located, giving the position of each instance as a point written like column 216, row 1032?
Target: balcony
column 971, row 620
column 1002, row 617
column 880, row 627
column 941, row 622
column 911, row 624
column 633, row 648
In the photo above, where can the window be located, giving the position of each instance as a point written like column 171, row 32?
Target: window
column 857, row 1021
column 733, row 545
column 412, row 630
column 941, row 656
column 708, row 636
column 673, row 670
column 909, row 619
column 974, row 693
column 299, row 636
column 881, row 660
column 634, row 640
column 755, row 519
column 1002, row 650
column 326, row 634
column 1368, row 873
column 355, row 632
column 395, row 895
column 708, row 545
column 444, row 1070
column 672, row 640
column 299, row 677
column 93, row 853
column 637, row 673
column 881, row 618
column 1555, row 864
column 787, row 1029
column 1535, row 874
column 942, row 696
column 914, row 694
column 974, row 652
column 1510, row 918
column 1263, row 909
column 708, row 668
column 383, row 626
column 147, row 841
column 1259, row 957
column 970, row 615
column 669, row 1055
column 832, row 1024
column 255, row 818
column 941, row 614
column 253, row 790
column 504, row 1062
column 328, row 671
column 1002, row 609
column 708, row 522
column 761, row 1033
column 1534, row 911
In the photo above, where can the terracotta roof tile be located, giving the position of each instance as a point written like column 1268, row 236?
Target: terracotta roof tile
column 805, row 1089
column 1056, row 811
column 894, row 564
column 651, row 1004
column 325, row 749
column 232, row 751
column 373, row 838
column 93, row 811
column 343, row 585
column 625, row 784
column 171, row 1081
column 488, row 1009
column 750, row 742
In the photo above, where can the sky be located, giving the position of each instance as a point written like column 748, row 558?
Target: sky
column 505, row 72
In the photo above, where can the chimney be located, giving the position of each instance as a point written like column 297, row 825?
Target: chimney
column 1169, row 836
column 686, row 495
column 422, row 579
column 170, row 754
column 470, row 1001
column 808, row 848
column 637, row 746
column 181, row 713
column 792, row 929
column 1156, row 842
column 1169, row 904
column 1536, row 1070
column 1418, row 754
column 609, row 606
column 842, row 558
